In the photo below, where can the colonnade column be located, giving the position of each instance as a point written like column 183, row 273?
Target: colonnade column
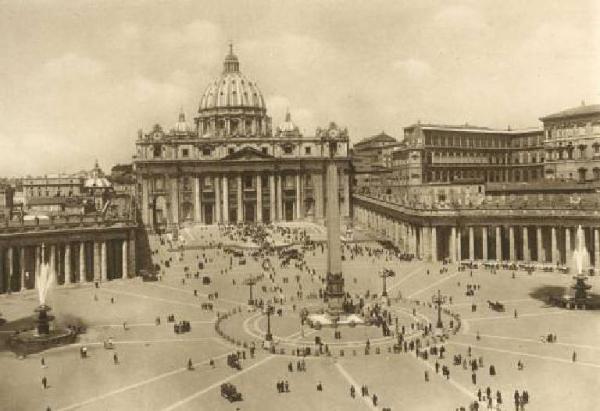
column 53, row 264
column 225, row 210
column 103, row 269
column 346, row 186
column 526, row 253
column 553, row 246
column 498, row 243
column 434, row 256
column 459, row 245
column 38, row 262
column 217, row 190
column 124, row 258
column 511, row 243
column 11, row 266
column 240, row 200
column 541, row 255
column 568, row 253
column 596, row 248
column 67, row 264
column 471, row 244
column 22, row 267
column 453, row 244
column 96, row 261
column 259, row 205
column 81, row 262
column 272, row 202
column 484, row 240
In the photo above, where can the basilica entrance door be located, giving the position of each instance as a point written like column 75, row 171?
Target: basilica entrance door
column 288, row 211
column 208, row 213
column 249, row 215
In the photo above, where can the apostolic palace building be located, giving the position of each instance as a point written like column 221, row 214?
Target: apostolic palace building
column 231, row 166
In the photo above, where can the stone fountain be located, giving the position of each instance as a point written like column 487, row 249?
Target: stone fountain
column 43, row 336
column 581, row 260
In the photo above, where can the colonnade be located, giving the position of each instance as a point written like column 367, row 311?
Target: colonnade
column 68, row 262
column 540, row 243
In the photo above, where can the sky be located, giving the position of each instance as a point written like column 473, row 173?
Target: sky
column 79, row 78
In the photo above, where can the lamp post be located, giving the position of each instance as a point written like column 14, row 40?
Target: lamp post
column 250, row 282
column 269, row 336
column 439, row 300
column 385, row 273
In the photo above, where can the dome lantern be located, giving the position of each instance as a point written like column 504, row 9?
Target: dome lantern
column 231, row 63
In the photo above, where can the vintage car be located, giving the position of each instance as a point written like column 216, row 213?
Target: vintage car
column 496, row 306
column 148, row 275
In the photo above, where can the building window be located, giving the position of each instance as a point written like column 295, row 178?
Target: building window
column 264, row 150
column 307, row 150
column 247, row 182
column 287, row 149
column 206, row 151
column 231, row 150
column 156, row 150
column 185, row 152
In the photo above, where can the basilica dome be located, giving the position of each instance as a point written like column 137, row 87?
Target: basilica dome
column 232, row 89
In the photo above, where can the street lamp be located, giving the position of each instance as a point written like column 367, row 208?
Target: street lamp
column 269, row 336
column 385, row 273
column 250, row 282
column 439, row 300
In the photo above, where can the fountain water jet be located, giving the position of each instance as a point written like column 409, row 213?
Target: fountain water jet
column 42, row 336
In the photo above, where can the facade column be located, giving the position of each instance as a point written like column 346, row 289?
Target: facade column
column 526, row 254
column 596, row 248
column 498, row 243
column 146, row 218
column 218, row 208
column 280, row 197
column 240, row 200
column 347, row 198
column 272, row 199
column 67, row 264
column 22, row 267
column 175, row 200
column 568, row 251
column 298, row 197
column 103, row 269
column 554, row 256
column 225, row 210
column 484, row 240
column 453, row 252
column 471, row 244
column 541, row 255
column 318, row 196
column 434, row 256
column 81, row 262
column 259, row 205
column 511, row 243
column 124, row 258
column 197, row 200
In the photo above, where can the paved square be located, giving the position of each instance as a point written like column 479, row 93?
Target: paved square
column 152, row 373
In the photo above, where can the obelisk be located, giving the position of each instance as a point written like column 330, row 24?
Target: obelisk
column 334, row 288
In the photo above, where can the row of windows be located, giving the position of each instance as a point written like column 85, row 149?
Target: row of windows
column 206, row 151
column 481, row 141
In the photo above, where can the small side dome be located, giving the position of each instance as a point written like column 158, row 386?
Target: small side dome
column 182, row 126
column 288, row 128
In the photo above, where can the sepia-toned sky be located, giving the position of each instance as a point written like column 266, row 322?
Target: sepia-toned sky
column 79, row 78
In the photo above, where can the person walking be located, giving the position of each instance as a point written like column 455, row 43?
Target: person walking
column 44, row 382
column 115, row 359
column 352, row 391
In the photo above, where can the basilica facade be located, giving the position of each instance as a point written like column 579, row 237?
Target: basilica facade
column 231, row 166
